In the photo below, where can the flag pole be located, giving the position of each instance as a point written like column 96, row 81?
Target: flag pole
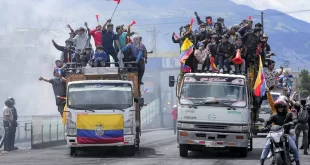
column 114, row 11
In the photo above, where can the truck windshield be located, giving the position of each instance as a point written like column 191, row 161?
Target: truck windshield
column 228, row 90
column 100, row 96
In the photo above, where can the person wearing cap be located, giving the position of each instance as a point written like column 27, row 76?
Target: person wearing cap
column 86, row 56
column 202, row 35
column 136, row 49
column 108, row 38
column 100, row 57
column 59, row 87
column 240, row 68
column 187, row 33
column 82, row 39
column 208, row 21
column 201, row 57
column 211, row 50
column 246, row 28
column 225, row 51
column 174, row 114
column 67, row 51
column 251, row 41
column 97, row 35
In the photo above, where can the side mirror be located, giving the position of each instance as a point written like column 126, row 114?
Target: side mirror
column 141, row 101
column 171, row 81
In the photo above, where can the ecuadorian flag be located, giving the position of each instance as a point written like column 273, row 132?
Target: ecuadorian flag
column 187, row 49
column 260, row 83
column 100, row 128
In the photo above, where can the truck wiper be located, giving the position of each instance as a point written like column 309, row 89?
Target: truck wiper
column 80, row 108
column 204, row 103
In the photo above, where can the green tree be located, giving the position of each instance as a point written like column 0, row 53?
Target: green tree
column 304, row 83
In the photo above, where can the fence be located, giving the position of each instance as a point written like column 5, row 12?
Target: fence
column 149, row 112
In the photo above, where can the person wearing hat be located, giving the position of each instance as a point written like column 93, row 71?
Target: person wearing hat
column 251, row 41
column 108, row 38
column 225, row 51
column 67, row 51
column 59, row 88
column 82, row 39
column 201, row 57
column 86, row 56
column 100, row 57
column 240, row 68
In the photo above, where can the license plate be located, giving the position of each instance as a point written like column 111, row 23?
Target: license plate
column 210, row 144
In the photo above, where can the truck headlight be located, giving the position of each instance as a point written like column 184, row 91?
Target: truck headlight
column 71, row 128
column 128, row 123
column 238, row 128
column 127, row 131
column 186, row 125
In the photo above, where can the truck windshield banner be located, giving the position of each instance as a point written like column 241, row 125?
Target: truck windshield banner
column 208, row 79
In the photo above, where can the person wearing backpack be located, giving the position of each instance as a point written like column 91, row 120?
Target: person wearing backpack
column 302, row 126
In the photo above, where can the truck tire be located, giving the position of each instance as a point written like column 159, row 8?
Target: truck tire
column 183, row 150
column 73, row 151
column 243, row 152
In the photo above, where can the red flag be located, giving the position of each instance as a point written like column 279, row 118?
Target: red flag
column 176, row 37
column 118, row 1
column 250, row 18
column 192, row 21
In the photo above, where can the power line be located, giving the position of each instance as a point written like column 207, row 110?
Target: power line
column 154, row 33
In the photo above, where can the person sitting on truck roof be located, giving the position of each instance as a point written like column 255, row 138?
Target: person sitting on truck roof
column 108, row 36
column 217, row 30
column 86, row 56
column 67, row 50
column 144, row 51
column 233, row 35
column 59, row 87
column 211, row 50
column 201, row 57
column 100, row 57
column 202, row 35
column 238, row 45
column 225, row 51
column 136, row 54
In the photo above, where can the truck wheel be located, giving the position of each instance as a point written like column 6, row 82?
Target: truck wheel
column 183, row 150
column 243, row 152
column 73, row 151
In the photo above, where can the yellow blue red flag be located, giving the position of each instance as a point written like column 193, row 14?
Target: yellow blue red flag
column 260, row 83
column 100, row 128
column 187, row 49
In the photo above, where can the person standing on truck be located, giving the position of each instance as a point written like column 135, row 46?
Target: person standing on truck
column 14, row 123
column 302, row 125
column 225, row 51
column 174, row 114
column 280, row 118
column 202, row 35
column 59, row 87
column 208, row 21
column 271, row 74
column 251, row 41
column 188, row 33
column 136, row 54
column 7, row 125
column 247, row 27
column 67, row 50
column 100, row 57
column 108, row 36
column 96, row 34
column 82, row 39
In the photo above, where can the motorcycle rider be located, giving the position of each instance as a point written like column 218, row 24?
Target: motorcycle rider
column 280, row 118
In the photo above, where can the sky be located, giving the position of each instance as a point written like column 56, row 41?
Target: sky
column 280, row 5
column 55, row 14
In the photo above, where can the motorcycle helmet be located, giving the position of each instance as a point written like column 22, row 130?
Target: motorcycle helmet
column 284, row 98
column 280, row 103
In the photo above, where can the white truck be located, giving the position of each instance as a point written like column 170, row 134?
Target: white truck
column 103, row 109
column 214, row 111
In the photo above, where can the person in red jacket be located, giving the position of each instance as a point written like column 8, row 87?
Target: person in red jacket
column 174, row 114
column 97, row 35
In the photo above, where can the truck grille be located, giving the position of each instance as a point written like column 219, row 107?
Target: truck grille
column 210, row 127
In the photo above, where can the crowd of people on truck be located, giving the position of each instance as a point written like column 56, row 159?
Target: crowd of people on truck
column 217, row 45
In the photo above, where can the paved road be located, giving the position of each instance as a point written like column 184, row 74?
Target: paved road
column 157, row 148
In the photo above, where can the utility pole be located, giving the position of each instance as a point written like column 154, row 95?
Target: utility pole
column 262, row 21
column 153, row 33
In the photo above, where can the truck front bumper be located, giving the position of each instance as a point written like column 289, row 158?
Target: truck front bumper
column 129, row 140
column 213, row 139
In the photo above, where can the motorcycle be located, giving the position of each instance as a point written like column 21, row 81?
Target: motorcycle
column 279, row 146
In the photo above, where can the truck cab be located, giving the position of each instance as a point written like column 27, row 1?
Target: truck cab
column 213, row 111
column 103, row 109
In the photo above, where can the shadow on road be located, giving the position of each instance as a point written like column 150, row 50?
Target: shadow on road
column 211, row 154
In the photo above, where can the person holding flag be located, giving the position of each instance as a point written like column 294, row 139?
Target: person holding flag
column 96, row 33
